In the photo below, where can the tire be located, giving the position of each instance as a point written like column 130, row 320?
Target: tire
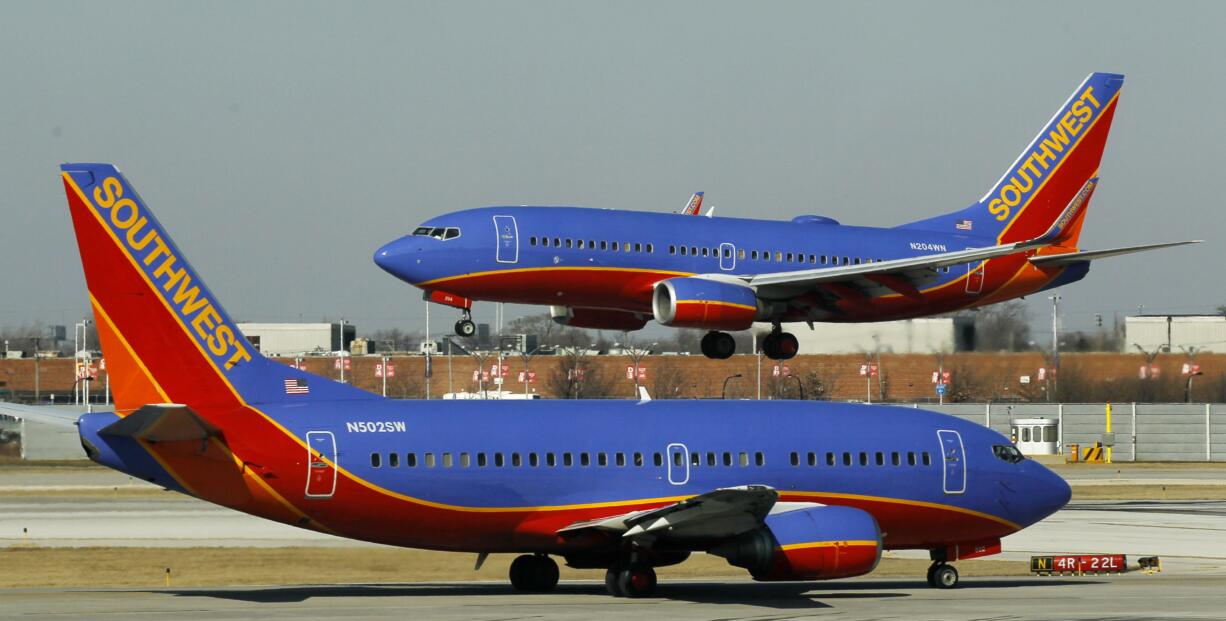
column 770, row 346
column 787, row 346
column 547, row 574
column 931, row 580
column 521, row 572
column 611, row 582
column 637, row 581
column 465, row 327
column 945, row 577
column 722, row 345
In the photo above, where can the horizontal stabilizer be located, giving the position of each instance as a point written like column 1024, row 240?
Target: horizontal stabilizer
column 46, row 414
column 1056, row 260
column 163, row 422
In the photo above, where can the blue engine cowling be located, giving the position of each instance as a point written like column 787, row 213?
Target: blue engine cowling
column 817, row 543
column 687, row 302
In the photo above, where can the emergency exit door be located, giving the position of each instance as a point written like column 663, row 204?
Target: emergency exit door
column 507, row 232
column 953, row 460
column 321, row 464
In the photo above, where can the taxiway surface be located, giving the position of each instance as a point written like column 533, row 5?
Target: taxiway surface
column 1118, row 598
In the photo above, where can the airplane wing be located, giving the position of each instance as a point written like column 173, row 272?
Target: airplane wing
column 716, row 515
column 46, row 414
column 1077, row 257
column 904, row 276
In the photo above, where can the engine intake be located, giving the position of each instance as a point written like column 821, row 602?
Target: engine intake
column 818, row 543
column 709, row 304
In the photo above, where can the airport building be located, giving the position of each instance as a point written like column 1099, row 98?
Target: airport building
column 911, row 336
column 1176, row 333
column 296, row 339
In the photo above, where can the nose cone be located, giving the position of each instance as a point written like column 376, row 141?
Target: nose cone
column 1037, row 493
column 396, row 258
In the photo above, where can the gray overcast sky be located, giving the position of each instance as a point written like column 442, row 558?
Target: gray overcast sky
column 281, row 143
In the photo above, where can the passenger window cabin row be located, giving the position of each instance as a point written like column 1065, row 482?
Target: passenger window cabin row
column 589, row 244
column 695, row 251
column 566, row 459
column 896, row 458
column 602, row 459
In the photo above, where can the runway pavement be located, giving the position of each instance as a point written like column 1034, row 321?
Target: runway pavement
column 1190, row 536
column 1117, row 598
column 112, row 509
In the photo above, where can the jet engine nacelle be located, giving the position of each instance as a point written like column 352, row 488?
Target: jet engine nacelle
column 598, row 318
column 817, row 543
column 703, row 303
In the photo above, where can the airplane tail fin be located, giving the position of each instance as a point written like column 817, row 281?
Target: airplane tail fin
column 165, row 336
column 1046, row 191
column 694, row 206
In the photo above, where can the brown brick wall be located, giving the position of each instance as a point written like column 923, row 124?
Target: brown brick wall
column 976, row 377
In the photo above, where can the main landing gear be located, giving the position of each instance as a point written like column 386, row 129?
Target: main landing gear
column 534, row 573
column 630, row 580
column 942, row 575
column 465, row 326
column 718, row 345
column 780, row 345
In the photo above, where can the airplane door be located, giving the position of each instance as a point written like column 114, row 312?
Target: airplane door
column 974, row 277
column 321, row 468
column 678, row 464
column 727, row 256
column 953, row 460
column 507, row 232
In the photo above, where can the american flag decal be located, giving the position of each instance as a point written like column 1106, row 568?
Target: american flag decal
column 963, row 225
column 296, row 387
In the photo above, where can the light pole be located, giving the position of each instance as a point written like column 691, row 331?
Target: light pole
column 527, row 357
column 1190, row 351
column 341, row 351
column 758, row 356
column 724, row 393
column 1055, row 345
column 37, row 385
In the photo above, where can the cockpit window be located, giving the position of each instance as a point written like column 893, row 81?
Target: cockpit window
column 437, row 232
column 1007, row 452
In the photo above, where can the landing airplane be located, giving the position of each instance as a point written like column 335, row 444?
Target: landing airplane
column 614, row 270
column 786, row 490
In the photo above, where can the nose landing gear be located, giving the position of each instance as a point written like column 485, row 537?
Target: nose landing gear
column 942, row 575
column 465, row 326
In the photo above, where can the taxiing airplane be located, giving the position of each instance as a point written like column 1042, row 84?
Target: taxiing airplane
column 786, row 490
column 614, row 270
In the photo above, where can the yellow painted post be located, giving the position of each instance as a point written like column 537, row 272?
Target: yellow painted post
column 1108, row 430
column 167, row 576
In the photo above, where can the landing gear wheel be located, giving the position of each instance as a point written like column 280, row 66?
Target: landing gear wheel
column 465, row 327
column 780, row 346
column 931, row 581
column 533, row 572
column 718, row 345
column 636, row 581
column 944, row 577
column 611, row 581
